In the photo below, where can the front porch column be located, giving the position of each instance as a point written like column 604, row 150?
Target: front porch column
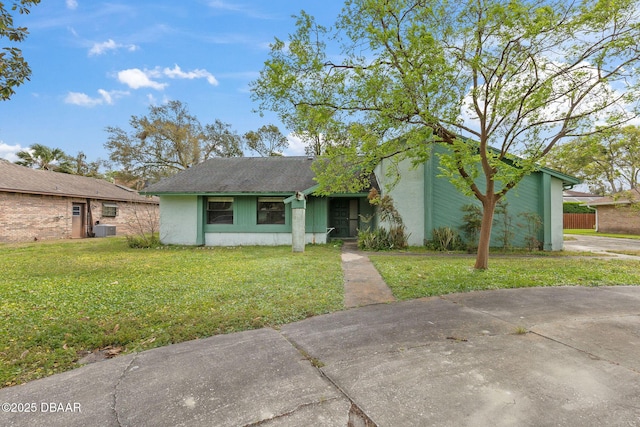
column 298, row 220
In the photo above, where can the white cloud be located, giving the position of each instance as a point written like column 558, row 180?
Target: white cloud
column 84, row 100
column 238, row 8
column 296, row 146
column 72, row 4
column 8, row 152
column 177, row 73
column 135, row 78
column 101, row 48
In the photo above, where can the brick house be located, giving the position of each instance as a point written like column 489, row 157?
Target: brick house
column 45, row 205
column 618, row 214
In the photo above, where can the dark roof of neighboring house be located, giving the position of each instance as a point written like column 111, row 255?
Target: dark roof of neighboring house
column 622, row 198
column 241, row 175
column 19, row 179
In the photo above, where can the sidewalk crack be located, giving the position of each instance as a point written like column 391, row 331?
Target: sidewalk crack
column 357, row 417
column 117, row 386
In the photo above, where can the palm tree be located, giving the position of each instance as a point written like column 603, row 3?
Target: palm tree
column 39, row 156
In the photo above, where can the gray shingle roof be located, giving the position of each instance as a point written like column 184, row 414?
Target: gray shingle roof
column 241, row 175
column 19, row 179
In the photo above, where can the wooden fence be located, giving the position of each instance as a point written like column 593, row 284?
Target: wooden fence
column 579, row 220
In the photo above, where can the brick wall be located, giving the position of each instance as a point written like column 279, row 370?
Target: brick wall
column 30, row 217
column 618, row 219
column 131, row 218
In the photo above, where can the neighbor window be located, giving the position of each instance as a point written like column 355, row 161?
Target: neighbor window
column 220, row 210
column 270, row 210
column 109, row 210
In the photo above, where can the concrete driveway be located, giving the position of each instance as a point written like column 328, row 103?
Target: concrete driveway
column 557, row 356
column 597, row 244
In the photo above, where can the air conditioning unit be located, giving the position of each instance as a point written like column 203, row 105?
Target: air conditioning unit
column 103, row 230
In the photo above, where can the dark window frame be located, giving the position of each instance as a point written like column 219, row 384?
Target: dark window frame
column 220, row 210
column 271, row 211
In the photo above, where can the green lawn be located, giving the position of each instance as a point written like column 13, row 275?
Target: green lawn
column 60, row 300
column 420, row 276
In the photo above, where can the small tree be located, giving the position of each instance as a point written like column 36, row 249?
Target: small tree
column 144, row 226
column 532, row 225
column 506, row 222
column 471, row 224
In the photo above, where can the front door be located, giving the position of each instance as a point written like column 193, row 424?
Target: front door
column 77, row 220
column 343, row 217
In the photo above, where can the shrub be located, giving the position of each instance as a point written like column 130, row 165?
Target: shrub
column 533, row 225
column 380, row 238
column 472, row 222
column 143, row 241
column 576, row 207
column 445, row 239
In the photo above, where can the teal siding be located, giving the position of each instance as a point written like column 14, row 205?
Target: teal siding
column 317, row 215
column 443, row 204
column 245, row 217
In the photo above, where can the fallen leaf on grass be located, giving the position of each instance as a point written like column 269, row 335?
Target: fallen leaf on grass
column 110, row 351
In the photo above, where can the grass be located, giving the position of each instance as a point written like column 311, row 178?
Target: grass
column 60, row 300
column 595, row 233
column 416, row 277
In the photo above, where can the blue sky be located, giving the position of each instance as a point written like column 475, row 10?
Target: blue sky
column 96, row 63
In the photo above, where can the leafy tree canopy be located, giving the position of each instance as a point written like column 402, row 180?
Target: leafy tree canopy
column 14, row 70
column 609, row 161
column 266, row 141
column 514, row 77
column 168, row 140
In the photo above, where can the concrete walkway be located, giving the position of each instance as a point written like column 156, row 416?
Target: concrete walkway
column 363, row 285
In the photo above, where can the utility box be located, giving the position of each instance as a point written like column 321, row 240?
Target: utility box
column 103, row 230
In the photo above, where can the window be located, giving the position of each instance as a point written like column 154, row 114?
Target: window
column 270, row 210
column 220, row 210
column 109, row 209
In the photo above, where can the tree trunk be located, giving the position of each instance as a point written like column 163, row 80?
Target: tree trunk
column 488, row 209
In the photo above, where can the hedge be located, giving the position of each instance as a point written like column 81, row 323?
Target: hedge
column 575, row 207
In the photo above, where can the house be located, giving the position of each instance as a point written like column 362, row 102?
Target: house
column 45, row 205
column 248, row 201
column 618, row 214
column 251, row 201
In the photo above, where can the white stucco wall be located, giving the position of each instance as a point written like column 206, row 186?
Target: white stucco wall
column 407, row 195
column 178, row 220
column 261, row 239
column 557, row 232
